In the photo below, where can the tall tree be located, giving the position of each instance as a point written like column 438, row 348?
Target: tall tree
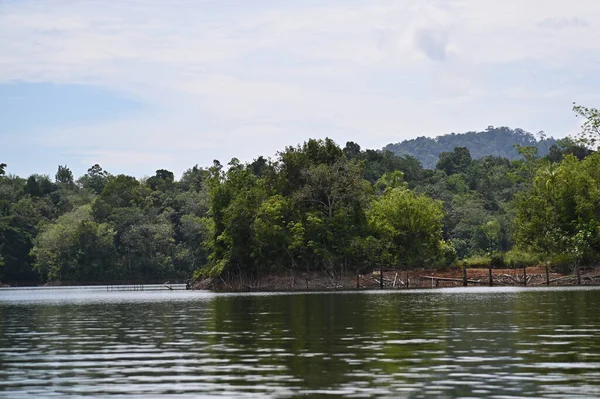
column 590, row 129
column 64, row 176
column 95, row 179
column 74, row 248
column 163, row 180
column 456, row 161
column 560, row 213
column 408, row 226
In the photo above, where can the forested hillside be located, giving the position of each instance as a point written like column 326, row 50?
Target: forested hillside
column 495, row 141
column 315, row 207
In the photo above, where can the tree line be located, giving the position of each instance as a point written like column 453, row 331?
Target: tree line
column 314, row 207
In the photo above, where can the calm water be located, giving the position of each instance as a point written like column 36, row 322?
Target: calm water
column 498, row 343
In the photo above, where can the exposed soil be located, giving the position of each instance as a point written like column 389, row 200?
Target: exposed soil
column 302, row 281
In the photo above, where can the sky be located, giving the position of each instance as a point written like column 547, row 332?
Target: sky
column 141, row 85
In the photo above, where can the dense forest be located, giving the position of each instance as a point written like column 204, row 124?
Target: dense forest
column 500, row 142
column 315, row 207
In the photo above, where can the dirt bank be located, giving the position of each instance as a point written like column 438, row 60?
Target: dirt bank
column 302, row 281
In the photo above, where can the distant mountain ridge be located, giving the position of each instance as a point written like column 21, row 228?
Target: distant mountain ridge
column 496, row 141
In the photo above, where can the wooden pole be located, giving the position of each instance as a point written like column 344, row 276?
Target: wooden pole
column 547, row 274
column 357, row 281
column 381, row 277
column 525, row 275
column 578, row 271
column 491, row 278
column 465, row 282
column 458, row 280
column 406, row 278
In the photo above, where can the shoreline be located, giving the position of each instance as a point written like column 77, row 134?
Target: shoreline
column 392, row 280
column 296, row 281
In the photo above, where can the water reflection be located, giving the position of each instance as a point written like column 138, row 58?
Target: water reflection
column 447, row 343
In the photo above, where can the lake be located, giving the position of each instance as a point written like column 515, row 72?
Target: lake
column 447, row 343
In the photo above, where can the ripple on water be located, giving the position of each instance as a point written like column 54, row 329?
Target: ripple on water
column 424, row 344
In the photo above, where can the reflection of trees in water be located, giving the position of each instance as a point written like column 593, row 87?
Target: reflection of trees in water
column 451, row 343
column 332, row 340
column 306, row 328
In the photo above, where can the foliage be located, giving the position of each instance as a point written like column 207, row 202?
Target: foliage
column 477, row 261
column 75, row 247
column 64, row 176
column 95, row 179
column 559, row 213
column 454, row 162
column 517, row 258
column 407, row 225
column 590, row 129
column 314, row 207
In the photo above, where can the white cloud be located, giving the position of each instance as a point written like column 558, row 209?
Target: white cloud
column 246, row 78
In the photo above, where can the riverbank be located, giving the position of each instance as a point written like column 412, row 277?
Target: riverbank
column 315, row 281
column 322, row 281
column 115, row 283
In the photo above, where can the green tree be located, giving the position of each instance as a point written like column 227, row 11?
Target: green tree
column 272, row 236
column 123, row 191
column 95, row 179
column 590, row 130
column 235, row 198
column 193, row 179
column 163, row 180
column 74, row 247
column 149, row 249
column 560, row 213
column 39, row 185
column 64, row 176
column 328, row 185
column 389, row 180
column 191, row 252
column 456, row 161
column 15, row 244
column 408, row 225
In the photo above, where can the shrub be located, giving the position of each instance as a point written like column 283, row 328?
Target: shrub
column 516, row 258
column 562, row 263
column 497, row 261
column 477, row 261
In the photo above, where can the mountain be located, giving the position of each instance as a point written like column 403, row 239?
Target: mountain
column 496, row 141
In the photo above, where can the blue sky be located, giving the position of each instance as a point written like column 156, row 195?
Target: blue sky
column 141, row 85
